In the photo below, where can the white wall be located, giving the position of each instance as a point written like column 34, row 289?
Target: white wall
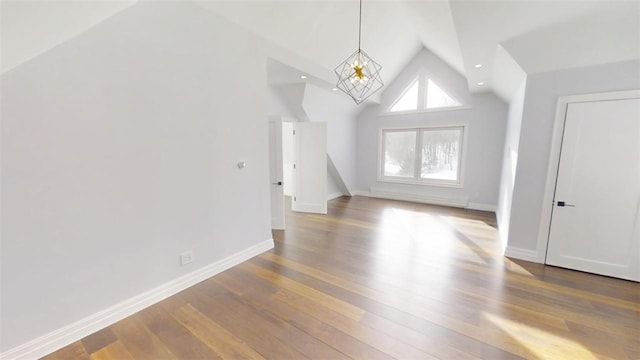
column 510, row 161
column 292, row 95
column 119, row 152
column 333, row 189
column 542, row 92
column 485, row 117
column 276, row 104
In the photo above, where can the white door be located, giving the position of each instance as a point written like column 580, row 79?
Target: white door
column 596, row 215
column 275, row 174
column 287, row 157
column 310, row 167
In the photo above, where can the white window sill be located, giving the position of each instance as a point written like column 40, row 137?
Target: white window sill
column 423, row 111
column 423, row 182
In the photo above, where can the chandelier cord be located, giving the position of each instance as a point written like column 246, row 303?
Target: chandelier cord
column 360, row 26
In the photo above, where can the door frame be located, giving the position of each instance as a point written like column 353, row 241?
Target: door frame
column 554, row 157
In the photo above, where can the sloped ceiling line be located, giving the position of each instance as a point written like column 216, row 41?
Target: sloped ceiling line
column 30, row 28
column 540, row 36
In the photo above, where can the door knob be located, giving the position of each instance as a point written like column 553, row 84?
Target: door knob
column 562, row 203
column 277, row 183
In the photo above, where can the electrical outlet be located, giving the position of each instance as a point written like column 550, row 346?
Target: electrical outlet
column 186, row 258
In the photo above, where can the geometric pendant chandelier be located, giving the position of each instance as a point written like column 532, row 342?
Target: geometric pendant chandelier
column 359, row 74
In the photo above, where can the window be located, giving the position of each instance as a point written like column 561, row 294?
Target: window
column 426, row 155
column 423, row 94
column 437, row 98
column 408, row 100
column 399, row 153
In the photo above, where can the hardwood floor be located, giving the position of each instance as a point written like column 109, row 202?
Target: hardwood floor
column 380, row 279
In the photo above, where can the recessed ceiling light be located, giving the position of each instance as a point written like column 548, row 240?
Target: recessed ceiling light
column 481, row 83
column 334, row 89
column 303, row 77
column 477, row 66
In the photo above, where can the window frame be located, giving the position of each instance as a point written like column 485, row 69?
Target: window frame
column 417, row 179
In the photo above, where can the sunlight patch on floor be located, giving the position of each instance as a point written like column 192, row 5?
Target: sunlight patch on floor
column 543, row 344
column 473, row 228
column 516, row 269
column 430, row 243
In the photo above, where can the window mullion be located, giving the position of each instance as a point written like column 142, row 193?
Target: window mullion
column 381, row 157
column 418, row 157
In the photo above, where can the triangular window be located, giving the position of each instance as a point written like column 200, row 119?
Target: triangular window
column 408, row 100
column 423, row 94
column 437, row 98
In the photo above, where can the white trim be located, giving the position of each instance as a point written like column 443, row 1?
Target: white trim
column 424, row 111
column 554, row 157
column 335, row 195
column 64, row 336
column 482, row 207
column 522, row 254
column 460, row 201
column 429, row 126
column 425, row 182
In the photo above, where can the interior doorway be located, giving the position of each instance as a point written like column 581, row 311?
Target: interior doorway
column 298, row 167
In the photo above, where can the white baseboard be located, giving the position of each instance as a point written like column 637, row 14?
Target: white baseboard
column 62, row 337
column 522, row 254
column 459, row 201
column 335, row 195
column 360, row 193
column 482, row 207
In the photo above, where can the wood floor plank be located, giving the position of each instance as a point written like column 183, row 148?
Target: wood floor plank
column 73, row 351
column 342, row 342
column 337, row 305
column 375, row 339
column 99, row 340
column 461, row 326
column 382, row 279
column 214, row 335
column 370, row 297
column 522, row 314
column 176, row 337
column 114, row 351
column 140, row 341
column 265, row 334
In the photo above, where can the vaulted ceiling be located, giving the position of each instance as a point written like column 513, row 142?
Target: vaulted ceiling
column 538, row 36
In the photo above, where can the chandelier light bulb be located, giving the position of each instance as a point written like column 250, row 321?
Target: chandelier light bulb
column 359, row 76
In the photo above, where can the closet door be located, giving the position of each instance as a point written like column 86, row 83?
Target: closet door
column 596, row 215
